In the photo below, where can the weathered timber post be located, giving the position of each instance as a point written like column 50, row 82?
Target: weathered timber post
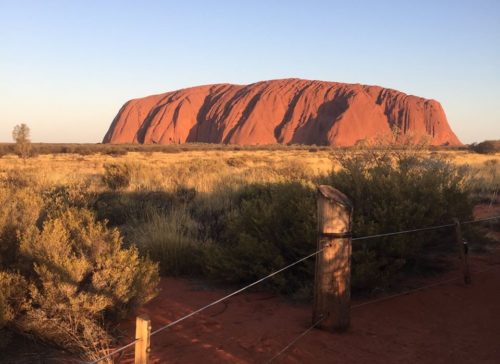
column 332, row 283
column 142, row 345
column 463, row 248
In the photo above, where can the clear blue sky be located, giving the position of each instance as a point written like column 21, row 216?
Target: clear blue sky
column 66, row 67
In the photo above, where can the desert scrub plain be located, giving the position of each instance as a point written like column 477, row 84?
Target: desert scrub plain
column 84, row 236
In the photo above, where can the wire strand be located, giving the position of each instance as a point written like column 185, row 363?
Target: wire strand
column 114, row 352
column 235, row 293
column 422, row 229
column 295, row 339
column 402, row 232
column 481, row 220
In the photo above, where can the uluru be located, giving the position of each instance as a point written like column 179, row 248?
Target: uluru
column 287, row 111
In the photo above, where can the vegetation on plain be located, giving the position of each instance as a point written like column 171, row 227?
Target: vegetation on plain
column 84, row 237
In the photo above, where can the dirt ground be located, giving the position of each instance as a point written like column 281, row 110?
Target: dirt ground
column 447, row 323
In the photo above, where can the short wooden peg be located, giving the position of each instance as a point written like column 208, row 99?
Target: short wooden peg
column 142, row 334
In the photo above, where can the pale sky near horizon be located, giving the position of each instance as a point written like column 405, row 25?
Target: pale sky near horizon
column 66, row 67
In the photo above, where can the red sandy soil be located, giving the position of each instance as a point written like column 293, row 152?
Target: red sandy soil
column 449, row 323
column 279, row 111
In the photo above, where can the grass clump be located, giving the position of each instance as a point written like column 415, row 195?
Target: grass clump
column 485, row 180
column 172, row 239
column 116, row 176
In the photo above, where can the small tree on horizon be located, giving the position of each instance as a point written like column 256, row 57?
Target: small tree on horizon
column 21, row 135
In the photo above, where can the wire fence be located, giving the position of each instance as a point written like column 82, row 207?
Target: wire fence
column 232, row 294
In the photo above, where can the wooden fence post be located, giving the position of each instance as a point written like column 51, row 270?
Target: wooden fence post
column 142, row 345
column 332, row 283
column 464, row 250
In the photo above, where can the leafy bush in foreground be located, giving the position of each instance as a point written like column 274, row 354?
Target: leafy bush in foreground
column 67, row 276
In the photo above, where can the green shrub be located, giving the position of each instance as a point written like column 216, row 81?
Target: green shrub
column 184, row 195
column 21, row 209
column 128, row 209
column 117, row 152
column 398, row 191
column 486, row 147
column 59, row 197
column 236, row 162
column 272, row 225
column 116, row 176
column 13, row 288
column 211, row 211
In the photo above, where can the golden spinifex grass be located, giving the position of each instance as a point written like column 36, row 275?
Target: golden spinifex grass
column 203, row 170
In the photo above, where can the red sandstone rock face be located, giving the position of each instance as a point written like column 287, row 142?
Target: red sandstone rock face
column 279, row 111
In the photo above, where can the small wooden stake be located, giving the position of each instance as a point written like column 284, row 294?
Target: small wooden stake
column 332, row 285
column 464, row 250
column 142, row 345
